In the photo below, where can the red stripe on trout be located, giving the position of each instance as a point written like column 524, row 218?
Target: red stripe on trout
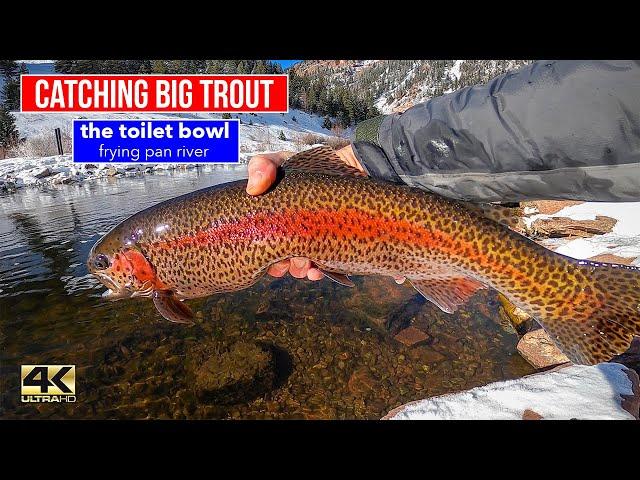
column 345, row 224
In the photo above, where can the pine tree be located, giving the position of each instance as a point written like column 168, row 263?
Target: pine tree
column 243, row 68
column 212, row 66
column 159, row 66
column 282, row 136
column 8, row 131
column 326, row 123
column 64, row 66
column 10, row 95
column 9, row 68
column 226, row 116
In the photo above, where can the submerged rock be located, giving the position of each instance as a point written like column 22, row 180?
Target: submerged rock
column 537, row 348
column 361, row 382
column 411, row 336
column 245, row 371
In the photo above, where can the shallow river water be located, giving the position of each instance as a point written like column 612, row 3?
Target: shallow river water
column 281, row 349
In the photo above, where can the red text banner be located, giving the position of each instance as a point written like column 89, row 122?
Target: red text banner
column 154, row 93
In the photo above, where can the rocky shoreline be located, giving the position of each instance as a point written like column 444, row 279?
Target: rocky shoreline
column 61, row 170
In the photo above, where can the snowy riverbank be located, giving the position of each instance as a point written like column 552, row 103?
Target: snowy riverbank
column 606, row 391
column 258, row 133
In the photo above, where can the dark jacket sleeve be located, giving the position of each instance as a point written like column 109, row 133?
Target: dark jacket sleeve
column 551, row 130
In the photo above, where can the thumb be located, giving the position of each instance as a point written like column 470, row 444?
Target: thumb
column 262, row 174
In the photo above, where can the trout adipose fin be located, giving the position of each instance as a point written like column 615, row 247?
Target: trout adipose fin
column 171, row 308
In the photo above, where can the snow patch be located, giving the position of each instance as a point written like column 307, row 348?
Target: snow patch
column 455, row 70
column 580, row 391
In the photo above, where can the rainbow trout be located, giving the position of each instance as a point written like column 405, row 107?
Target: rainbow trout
column 220, row 239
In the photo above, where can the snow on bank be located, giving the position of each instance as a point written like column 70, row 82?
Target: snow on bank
column 21, row 172
column 579, row 391
column 258, row 133
column 623, row 240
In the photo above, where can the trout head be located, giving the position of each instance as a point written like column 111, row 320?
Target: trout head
column 119, row 264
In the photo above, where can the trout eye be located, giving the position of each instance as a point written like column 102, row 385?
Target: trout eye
column 101, row 262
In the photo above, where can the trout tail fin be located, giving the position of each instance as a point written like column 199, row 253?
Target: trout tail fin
column 594, row 318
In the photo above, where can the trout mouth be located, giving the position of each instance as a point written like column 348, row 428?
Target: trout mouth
column 114, row 291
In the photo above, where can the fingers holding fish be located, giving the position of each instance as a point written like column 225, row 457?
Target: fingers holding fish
column 315, row 274
column 263, row 170
column 279, row 269
column 300, row 269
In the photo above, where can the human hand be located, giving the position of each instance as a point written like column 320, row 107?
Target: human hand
column 262, row 173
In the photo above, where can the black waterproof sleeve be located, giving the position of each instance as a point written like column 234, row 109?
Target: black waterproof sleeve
column 551, row 130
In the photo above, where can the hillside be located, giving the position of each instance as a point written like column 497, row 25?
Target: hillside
column 396, row 85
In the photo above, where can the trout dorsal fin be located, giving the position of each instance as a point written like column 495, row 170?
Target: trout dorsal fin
column 447, row 292
column 320, row 160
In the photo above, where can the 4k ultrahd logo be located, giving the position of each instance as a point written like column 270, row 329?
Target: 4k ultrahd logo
column 48, row 383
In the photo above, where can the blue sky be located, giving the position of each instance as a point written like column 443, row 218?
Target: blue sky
column 286, row 63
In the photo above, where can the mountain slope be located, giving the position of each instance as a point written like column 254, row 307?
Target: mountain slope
column 396, row 85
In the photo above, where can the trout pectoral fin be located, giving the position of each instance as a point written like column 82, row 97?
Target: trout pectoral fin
column 340, row 278
column 171, row 308
column 448, row 293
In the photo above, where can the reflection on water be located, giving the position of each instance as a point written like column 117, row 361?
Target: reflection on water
column 282, row 349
